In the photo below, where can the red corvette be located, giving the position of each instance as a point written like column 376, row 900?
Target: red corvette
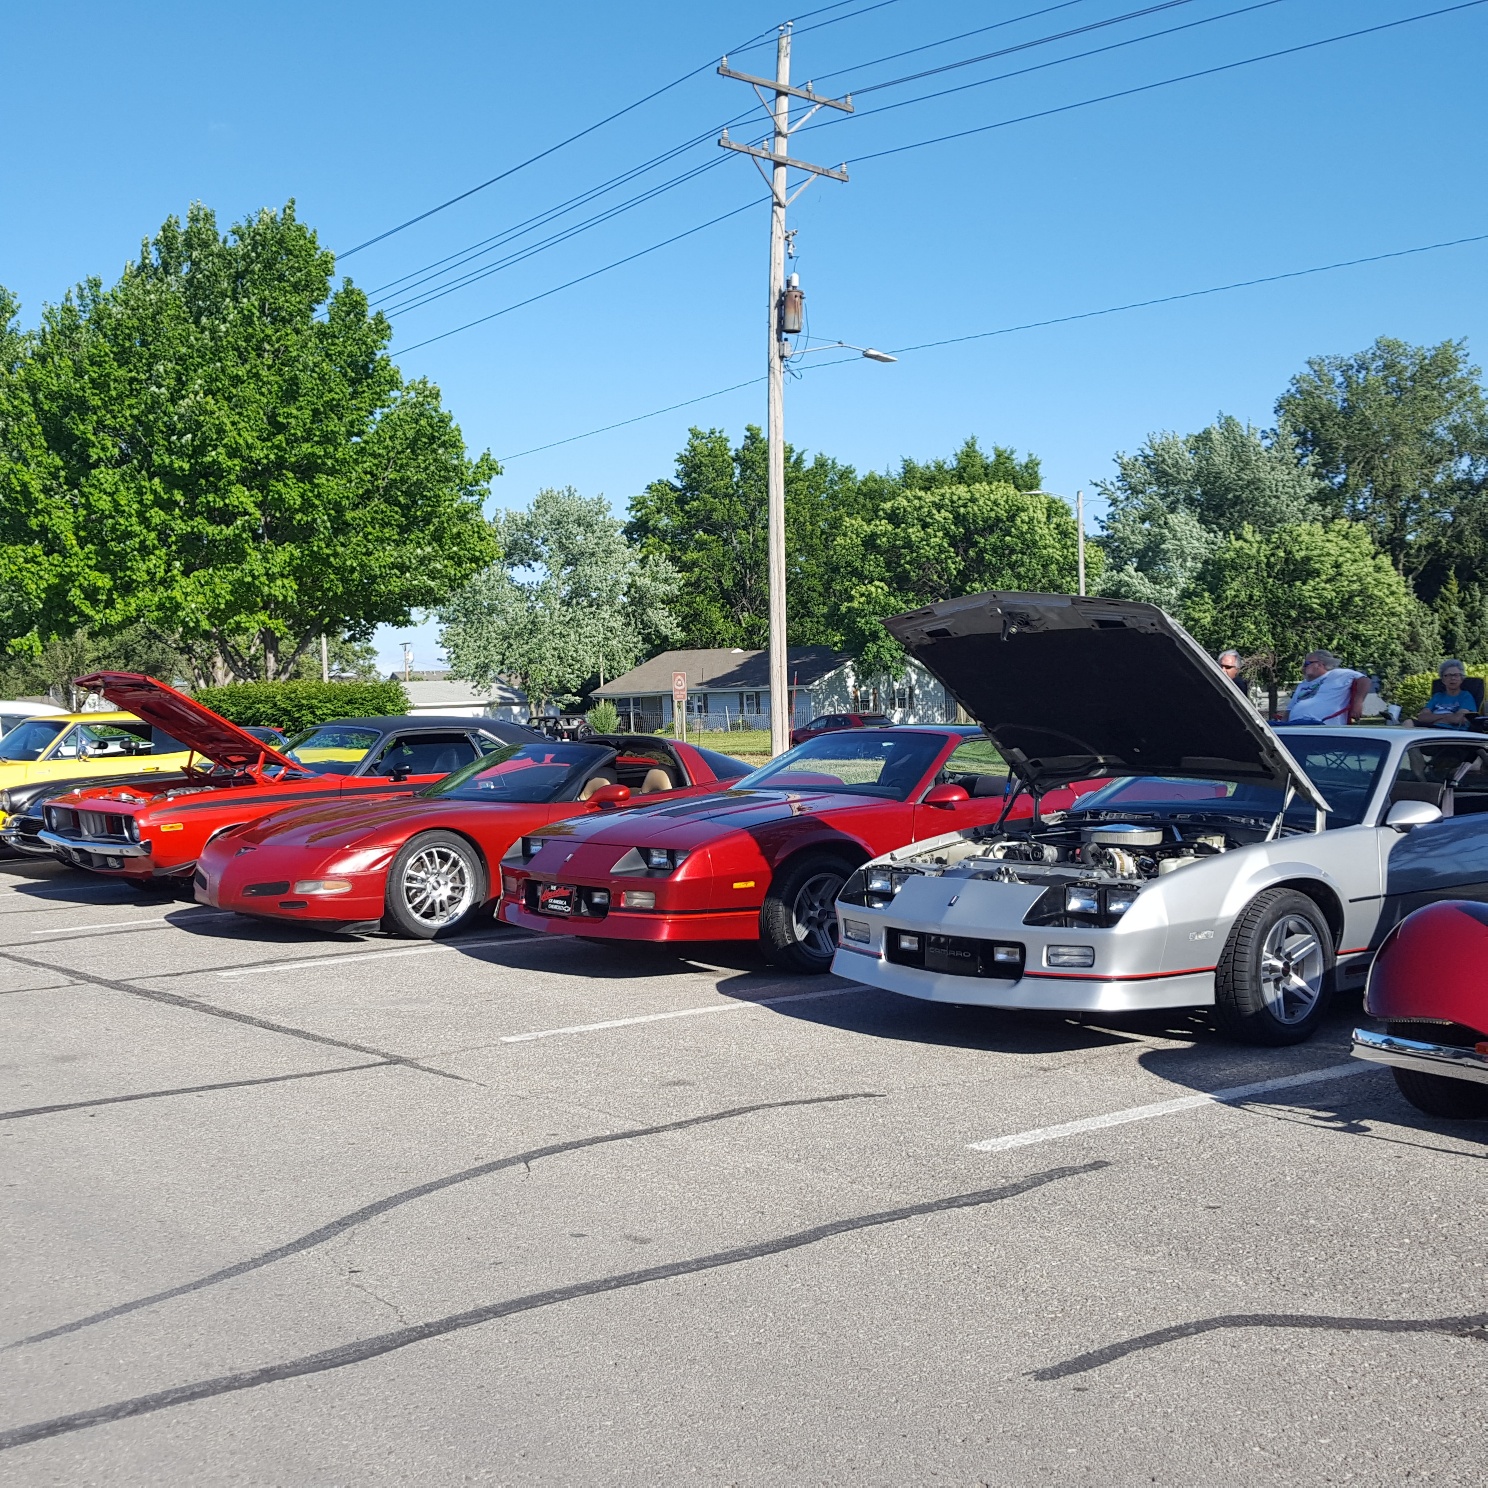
column 425, row 865
column 766, row 858
column 137, row 831
column 1427, row 983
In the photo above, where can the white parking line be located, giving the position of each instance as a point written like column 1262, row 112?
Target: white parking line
column 697, row 1012
column 1169, row 1107
column 333, row 959
column 131, row 924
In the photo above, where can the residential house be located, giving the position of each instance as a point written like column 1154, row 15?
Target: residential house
column 730, row 688
column 438, row 693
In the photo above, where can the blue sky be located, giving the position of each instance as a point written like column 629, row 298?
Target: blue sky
column 367, row 114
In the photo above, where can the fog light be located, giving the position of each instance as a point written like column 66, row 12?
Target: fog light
column 323, row 886
column 1069, row 956
column 855, row 930
column 1006, row 955
column 638, row 899
column 908, row 942
column 601, row 897
column 1081, row 900
column 1118, row 901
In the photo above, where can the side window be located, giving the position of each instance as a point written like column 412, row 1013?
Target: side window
column 978, row 767
column 425, row 754
column 72, row 741
column 486, row 743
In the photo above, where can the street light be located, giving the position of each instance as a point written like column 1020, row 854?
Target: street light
column 870, row 352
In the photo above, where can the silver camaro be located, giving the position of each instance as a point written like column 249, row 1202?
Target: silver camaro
column 1215, row 861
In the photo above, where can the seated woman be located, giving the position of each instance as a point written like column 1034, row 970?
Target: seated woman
column 1450, row 705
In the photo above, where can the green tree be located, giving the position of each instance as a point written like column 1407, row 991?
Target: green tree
column 708, row 522
column 570, row 597
column 1400, row 434
column 219, row 448
column 971, row 466
column 920, row 546
column 1276, row 596
column 1179, row 496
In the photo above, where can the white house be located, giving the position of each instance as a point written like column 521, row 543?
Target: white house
column 441, row 695
column 729, row 688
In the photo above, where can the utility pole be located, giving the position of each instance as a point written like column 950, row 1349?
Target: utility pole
column 1080, row 539
column 325, row 660
column 775, row 97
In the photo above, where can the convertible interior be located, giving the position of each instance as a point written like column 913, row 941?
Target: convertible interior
column 646, row 769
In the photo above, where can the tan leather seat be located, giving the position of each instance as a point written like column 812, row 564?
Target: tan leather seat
column 657, row 779
column 593, row 783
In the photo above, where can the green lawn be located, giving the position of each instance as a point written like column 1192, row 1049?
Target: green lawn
column 745, row 744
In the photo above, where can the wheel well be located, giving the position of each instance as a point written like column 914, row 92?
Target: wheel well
column 1325, row 899
column 846, row 849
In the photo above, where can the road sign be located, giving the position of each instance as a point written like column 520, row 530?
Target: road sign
column 679, row 687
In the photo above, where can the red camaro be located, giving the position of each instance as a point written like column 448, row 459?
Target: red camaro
column 426, row 865
column 766, row 858
column 138, row 831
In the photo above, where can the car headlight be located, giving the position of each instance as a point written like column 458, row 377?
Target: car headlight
column 1118, row 901
column 5, row 801
column 664, row 859
column 875, row 887
column 531, row 846
column 1082, row 899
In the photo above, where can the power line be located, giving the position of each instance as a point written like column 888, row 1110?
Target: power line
column 1305, row 46
column 1032, row 325
column 600, row 124
column 593, row 273
column 476, row 250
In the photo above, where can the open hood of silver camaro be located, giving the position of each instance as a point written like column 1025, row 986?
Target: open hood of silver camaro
column 1072, row 688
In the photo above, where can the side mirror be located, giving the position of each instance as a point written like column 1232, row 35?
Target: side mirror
column 946, row 795
column 1404, row 815
column 610, row 795
column 399, row 773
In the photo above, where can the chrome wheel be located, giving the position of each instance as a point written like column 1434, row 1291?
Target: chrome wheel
column 1292, row 969
column 814, row 913
column 438, row 886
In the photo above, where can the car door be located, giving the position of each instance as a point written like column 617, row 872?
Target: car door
column 981, row 771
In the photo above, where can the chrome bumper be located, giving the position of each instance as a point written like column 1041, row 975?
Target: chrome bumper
column 1429, row 1059
column 105, row 847
column 16, row 840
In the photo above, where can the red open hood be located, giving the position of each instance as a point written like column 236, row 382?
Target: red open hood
column 209, row 734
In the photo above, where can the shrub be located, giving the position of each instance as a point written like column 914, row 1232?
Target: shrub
column 1411, row 692
column 604, row 718
column 293, row 706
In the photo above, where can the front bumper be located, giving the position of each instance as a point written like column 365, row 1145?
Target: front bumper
column 1415, row 1054
column 101, row 854
column 21, row 834
column 653, row 925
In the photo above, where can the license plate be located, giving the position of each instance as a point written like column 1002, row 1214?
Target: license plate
column 556, row 899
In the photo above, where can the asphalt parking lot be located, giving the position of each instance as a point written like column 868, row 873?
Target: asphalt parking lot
column 284, row 1209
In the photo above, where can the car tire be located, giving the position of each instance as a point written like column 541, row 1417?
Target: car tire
column 1440, row 1095
column 436, row 885
column 798, row 921
column 1275, row 978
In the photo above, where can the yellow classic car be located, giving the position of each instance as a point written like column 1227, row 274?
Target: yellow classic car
column 67, row 746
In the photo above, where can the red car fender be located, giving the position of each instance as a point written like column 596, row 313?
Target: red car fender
column 1430, row 967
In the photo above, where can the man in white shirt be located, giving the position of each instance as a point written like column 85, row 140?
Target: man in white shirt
column 1323, row 696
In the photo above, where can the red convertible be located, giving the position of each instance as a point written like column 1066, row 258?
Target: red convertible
column 135, row 830
column 424, row 865
column 766, row 858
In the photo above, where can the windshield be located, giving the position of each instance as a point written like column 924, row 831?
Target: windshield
column 1346, row 772
column 332, row 749
column 28, row 741
column 527, row 772
column 860, row 762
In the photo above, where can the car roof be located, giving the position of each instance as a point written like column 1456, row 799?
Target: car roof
column 389, row 721
column 1384, row 731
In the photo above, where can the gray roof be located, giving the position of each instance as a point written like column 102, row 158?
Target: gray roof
column 445, row 693
column 722, row 669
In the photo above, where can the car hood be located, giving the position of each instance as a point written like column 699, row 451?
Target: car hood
column 209, row 734
column 702, row 819
column 1074, row 688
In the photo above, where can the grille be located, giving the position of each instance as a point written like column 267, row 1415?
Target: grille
column 104, row 824
column 959, row 955
column 266, row 890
